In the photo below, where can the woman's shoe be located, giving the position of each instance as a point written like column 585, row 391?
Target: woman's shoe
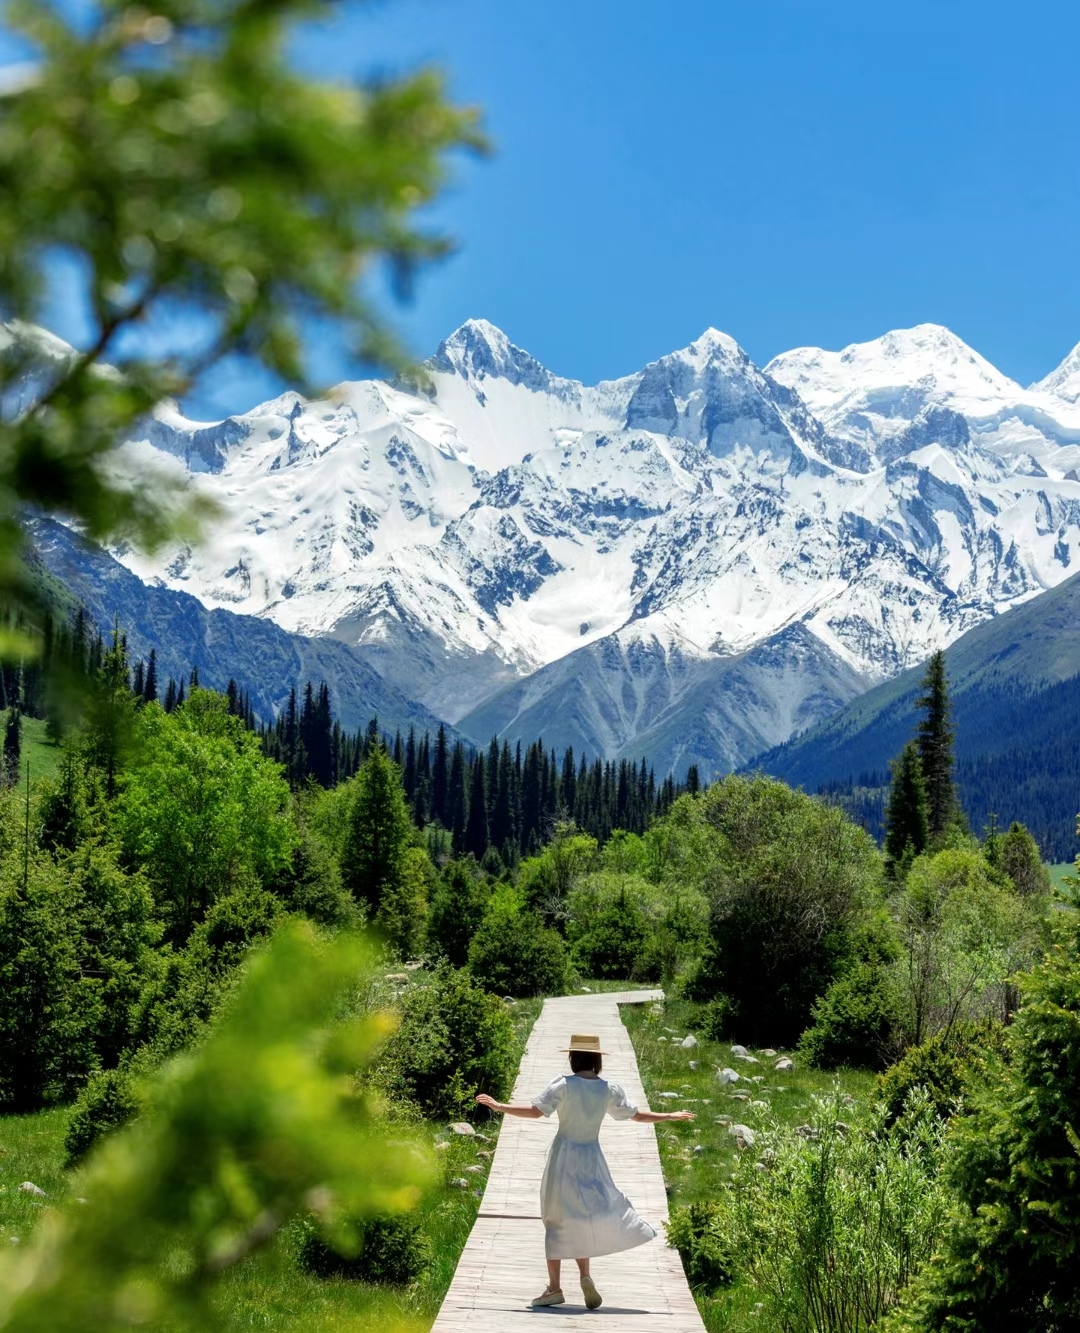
column 550, row 1296
column 593, row 1299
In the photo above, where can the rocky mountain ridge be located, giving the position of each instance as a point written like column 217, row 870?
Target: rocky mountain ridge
column 704, row 555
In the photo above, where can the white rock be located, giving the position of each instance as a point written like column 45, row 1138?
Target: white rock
column 769, row 1053
column 461, row 1127
column 668, row 1094
column 744, row 1135
column 397, row 976
column 784, row 1066
column 692, row 1064
column 459, row 1182
column 28, row 1187
column 586, row 989
column 727, row 1076
column 688, row 1042
column 475, row 1170
column 739, row 1052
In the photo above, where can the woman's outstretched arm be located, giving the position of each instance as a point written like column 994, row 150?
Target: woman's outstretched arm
column 654, row 1117
column 523, row 1110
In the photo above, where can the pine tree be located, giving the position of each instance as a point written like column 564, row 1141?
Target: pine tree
column 907, row 824
column 150, row 693
column 457, row 798
column 377, row 837
column 440, row 779
column 935, row 741
column 476, row 827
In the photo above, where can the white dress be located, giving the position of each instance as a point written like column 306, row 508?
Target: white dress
column 584, row 1213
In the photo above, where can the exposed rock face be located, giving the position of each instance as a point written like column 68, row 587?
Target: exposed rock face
column 692, row 562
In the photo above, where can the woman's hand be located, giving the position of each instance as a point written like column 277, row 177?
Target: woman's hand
column 680, row 1115
column 492, row 1105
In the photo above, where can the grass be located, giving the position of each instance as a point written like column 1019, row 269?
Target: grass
column 31, row 1149
column 270, row 1291
column 41, row 753
column 697, row 1157
column 1059, row 872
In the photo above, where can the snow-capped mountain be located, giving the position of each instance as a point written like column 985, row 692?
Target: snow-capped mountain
column 700, row 557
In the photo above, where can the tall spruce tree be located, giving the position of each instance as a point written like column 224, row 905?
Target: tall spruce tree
column 377, row 837
column 907, row 823
column 12, row 745
column 935, row 741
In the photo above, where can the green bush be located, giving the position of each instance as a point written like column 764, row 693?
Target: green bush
column 514, row 953
column 458, row 905
column 1008, row 1258
column 716, row 1018
column 392, row 1250
column 791, row 883
column 833, row 1229
column 454, row 1041
column 852, row 1021
column 701, row 1234
column 943, row 1065
column 107, row 1102
column 614, row 940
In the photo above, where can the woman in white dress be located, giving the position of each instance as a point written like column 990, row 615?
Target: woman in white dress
column 584, row 1212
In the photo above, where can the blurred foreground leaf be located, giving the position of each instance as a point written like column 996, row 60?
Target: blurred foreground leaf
column 261, row 1122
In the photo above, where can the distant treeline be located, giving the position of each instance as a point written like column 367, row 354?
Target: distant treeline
column 1017, row 757
column 498, row 797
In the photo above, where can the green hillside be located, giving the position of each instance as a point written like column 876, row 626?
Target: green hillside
column 1015, row 683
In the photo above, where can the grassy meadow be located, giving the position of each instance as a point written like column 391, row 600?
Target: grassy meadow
column 697, row 1157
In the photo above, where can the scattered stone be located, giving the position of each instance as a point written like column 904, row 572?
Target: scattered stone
column 744, row 1135
column 727, row 1076
column 760, row 1166
column 414, row 966
column 661, row 1039
column 723, row 1119
column 808, row 1132
column 757, row 1078
column 459, row 1182
column 784, row 1066
column 442, row 1146
column 688, row 1042
column 485, row 1154
column 509, row 999
column 699, row 1147
column 740, row 1052
column 668, row 1094
column 478, row 1194
column 673, row 1031
column 486, row 1137
column 461, row 1127
column 769, row 1053
column 475, row 1170
column 693, row 1064
column 740, row 1096
column 586, row 989
column 841, row 1128
column 28, row 1187
column 397, row 976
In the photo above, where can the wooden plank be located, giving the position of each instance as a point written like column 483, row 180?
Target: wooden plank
column 502, row 1265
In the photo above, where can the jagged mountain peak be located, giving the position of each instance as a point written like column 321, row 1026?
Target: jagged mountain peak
column 1064, row 381
column 479, row 350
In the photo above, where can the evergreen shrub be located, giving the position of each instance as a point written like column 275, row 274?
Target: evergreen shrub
column 392, row 1250
column 106, row 1103
column 942, row 1066
column 615, row 942
column 458, row 905
column 514, row 953
column 701, row 1232
column 453, row 1042
column 852, row 1022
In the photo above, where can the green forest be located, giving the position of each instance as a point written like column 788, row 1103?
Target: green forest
column 181, row 901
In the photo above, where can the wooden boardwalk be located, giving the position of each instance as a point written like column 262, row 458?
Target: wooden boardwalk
column 502, row 1265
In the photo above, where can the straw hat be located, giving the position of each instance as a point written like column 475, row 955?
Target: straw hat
column 585, row 1041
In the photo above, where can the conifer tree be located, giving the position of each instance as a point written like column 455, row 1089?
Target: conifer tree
column 457, row 798
column 476, row 827
column 440, row 779
column 150, row 693
column 377, row 837
column 935, row 741
column 907, row 824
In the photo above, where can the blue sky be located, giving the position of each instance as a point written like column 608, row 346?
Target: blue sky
column 789, row 172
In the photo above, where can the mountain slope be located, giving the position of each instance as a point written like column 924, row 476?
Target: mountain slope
column 504, row 539
column 1015, row 683
column 263, row 659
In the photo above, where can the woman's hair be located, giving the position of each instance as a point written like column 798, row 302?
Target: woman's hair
column 580, row 1061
